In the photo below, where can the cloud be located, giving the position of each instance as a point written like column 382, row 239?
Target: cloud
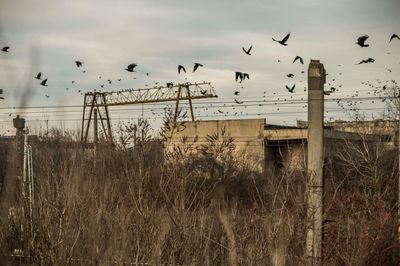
column 159, row 35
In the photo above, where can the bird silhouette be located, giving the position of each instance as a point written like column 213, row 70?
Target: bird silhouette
column 394, row 36
column 361, row 41
column 203, row 92
column 246, row 76
column 290, row 75
column 181, row 68
column 291, row 90
column 196, row 66
column 43, row 83
column 219, row 111
column 236, row 101
column 47, row 96
column 369, row 60
column 284, row 40
column 248, row 50
column 78, row 63
column 170, row 84
column 131, row 67
column 298, row 58
column 109, row 81
column 38, row 76
column 5, row 48
column 238, row 76
column 237, row 92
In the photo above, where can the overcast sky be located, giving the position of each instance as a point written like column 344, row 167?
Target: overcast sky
column 48, row 36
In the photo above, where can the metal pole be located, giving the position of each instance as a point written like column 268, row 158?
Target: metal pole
column 83, row 117
column 178, row 96
column 110, row 137
column 90, row 117
column 95, row 132
column 190, row 102
column 315, row 161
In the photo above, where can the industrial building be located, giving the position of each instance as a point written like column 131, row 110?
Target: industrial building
column 267, row 147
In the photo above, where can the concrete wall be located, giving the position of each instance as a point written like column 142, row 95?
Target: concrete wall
column 247, row 135
column 266, row 147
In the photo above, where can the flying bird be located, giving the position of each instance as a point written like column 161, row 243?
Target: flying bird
column 290, row 75
column 219, row 111
column 5, row 48
column 203, row 92
column 291, row 90
column 181, row 68
column 238, row 75
column 39, row 75
column 43, row 83
column 196, row 66
column 361, row 41
column 78, row 63
column 248, row 50
column 131, row 67
column 246, row 76
column 298, row 58
column 284, row 40
column 236, row 101
column 369, row 60
column 237, row 92
column 394, row 36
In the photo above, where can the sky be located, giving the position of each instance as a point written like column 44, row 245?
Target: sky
column 48, row 36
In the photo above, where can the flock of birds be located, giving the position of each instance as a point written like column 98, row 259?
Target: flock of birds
column 240, row 76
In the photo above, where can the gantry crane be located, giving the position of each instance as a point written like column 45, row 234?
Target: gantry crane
column 96, row 104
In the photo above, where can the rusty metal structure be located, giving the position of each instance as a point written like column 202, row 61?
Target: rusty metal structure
column 96, row 104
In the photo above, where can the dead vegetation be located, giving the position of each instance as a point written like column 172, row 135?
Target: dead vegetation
column 134, row 204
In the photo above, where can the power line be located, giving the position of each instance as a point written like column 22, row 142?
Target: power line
column 215, row 102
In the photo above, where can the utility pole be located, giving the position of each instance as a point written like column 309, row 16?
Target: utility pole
column 315, row 161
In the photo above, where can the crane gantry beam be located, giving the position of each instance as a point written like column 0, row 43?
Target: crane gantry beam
column 100, row 101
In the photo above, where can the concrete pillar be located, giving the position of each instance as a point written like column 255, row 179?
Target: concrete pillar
column 315, row 161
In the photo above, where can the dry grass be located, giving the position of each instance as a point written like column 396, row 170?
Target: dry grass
column 130, row 205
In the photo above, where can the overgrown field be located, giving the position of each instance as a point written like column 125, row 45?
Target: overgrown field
column 135, row 205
